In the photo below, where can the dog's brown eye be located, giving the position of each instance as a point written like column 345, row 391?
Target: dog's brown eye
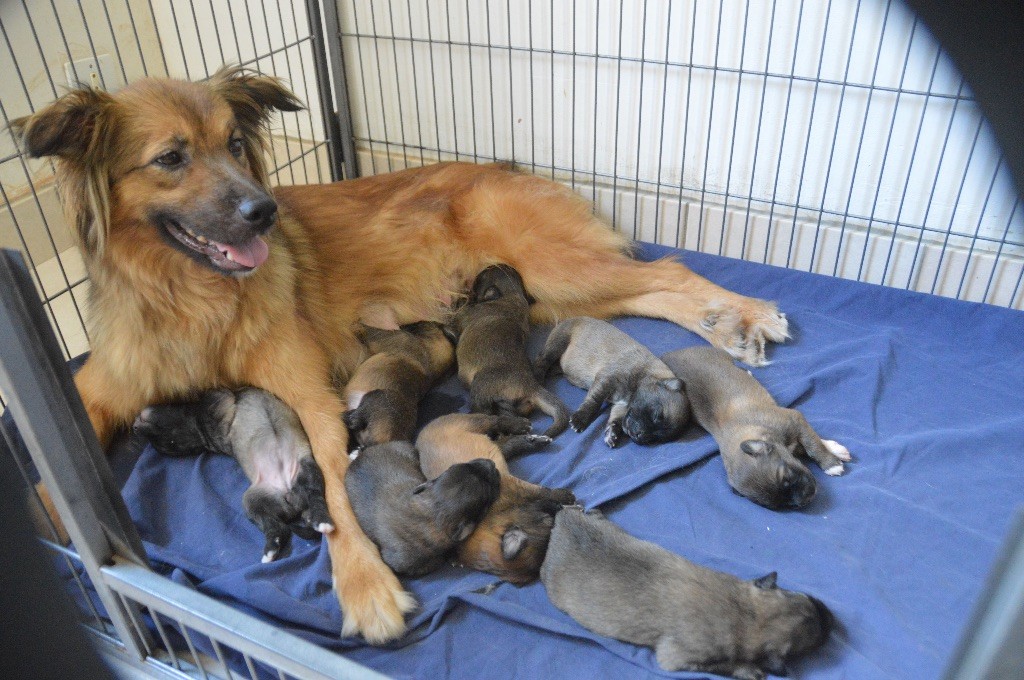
column 171, row 159
column 236, row 147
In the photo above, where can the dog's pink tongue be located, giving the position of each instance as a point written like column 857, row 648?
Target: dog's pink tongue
column 251, row 254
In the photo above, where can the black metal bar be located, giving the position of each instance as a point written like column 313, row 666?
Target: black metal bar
column 664, row 100
column 686, row 134
column 332, row 83
column 615, row 133
column 639, row 119
column 735, row 121
column 999, row 252
column 415, row 79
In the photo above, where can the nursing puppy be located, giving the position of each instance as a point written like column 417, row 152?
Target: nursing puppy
column 759, row 440
column 265, row 436
column 510, row 540
column 416, row 523
column 492, row 328
column 648, row 401
column 384, row 393
column 696, row 619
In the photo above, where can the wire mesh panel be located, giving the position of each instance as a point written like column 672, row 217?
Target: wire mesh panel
column 832, row 136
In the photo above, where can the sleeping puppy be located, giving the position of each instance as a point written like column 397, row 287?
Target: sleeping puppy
column 648, row 401
column 696, row 619
column 266, row 438
column 491, row 330
column 758, row 439
column 510, row 540
column 384, row 393
column 414, row 522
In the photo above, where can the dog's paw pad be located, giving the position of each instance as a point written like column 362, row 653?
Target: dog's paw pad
column 324, row 527
column 837, row 449
column 613, row 437
column 835, row 470
column 539, row 439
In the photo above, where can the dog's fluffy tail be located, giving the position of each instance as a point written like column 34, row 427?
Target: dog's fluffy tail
column 553, row 406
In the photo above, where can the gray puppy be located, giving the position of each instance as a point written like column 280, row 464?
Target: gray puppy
column 414, row 522
column 696, row 619
column 267, row 439
column 648, row 401
column 759, row 440
column 492, row 329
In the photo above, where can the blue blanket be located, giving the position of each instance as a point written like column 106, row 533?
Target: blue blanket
column 924, row 391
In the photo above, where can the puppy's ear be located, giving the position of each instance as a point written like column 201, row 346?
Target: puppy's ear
column 767, row 582
column 674, row 384
column 450, row 333
column 355, row 420
column 463, row 531
column 492, row 293
column 755, row 447
column 512, row 542
column 776, row 665
column 70, row 128
column 421, row 488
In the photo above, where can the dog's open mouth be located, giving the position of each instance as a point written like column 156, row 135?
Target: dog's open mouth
column 232, row 258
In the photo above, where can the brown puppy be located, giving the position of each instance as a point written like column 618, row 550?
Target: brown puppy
column 511, row 539
column 199, row 279
column 492, row 328
column 386, row 389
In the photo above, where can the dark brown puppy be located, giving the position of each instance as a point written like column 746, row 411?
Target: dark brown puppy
column 492, row 328
column 759, row 440
column 696, row 619
column 201, row 278
column 385, row 391
column 510, row 541
column 417, row 523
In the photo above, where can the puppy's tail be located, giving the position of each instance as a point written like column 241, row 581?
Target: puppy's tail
column 553, row 406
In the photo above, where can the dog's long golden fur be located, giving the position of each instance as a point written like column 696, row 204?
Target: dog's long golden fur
column 137, row 165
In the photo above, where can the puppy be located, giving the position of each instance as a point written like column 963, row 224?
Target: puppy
column 385, row 391
column 648, row 401
column 759, row 440
column 416, row 523
column 510, row 540
column 266, row 438
column 696, row 619
column 491, row 330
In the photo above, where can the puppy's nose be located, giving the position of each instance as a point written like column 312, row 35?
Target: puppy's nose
column 258, row 211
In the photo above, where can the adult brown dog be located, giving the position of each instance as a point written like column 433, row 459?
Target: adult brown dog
column 200, row 279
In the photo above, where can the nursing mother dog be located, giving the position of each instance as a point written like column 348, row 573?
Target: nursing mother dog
column 204, row 277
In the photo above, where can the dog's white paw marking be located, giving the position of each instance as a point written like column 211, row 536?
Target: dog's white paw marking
column 837, row 449
column 354, row 453
column 325, row 527
column 269, row 556
column 835, row 470
column 612, row 437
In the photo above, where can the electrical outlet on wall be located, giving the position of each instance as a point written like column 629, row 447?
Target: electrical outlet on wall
column 99, row 73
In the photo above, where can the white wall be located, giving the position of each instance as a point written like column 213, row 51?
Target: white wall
column 634, row 122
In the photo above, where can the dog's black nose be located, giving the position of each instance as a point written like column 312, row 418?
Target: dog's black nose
column 258, row 211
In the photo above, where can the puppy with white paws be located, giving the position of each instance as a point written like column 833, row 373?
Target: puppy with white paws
column 760, row 441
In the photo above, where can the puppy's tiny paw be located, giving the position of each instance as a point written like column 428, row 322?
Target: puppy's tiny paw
column 837, row 449
column 835, row 470
column 269, row 556
column 355, row 453
column 324, row 527
column 539, row 439
column 576, row 423
column 613, row 436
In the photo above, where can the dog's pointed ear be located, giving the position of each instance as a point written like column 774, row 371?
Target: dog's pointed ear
column 252, row 96
column 68, row 128
column 767, row 582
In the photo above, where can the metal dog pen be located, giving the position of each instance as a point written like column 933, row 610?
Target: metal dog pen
column 880, row 168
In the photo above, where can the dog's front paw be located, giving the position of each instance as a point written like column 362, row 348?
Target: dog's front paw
column 614, row 435
column 373, row 602
column 578, row 422
column 743, row 327
column 837, row 449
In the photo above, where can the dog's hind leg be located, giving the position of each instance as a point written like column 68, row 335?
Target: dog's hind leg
column 268, row 510
column 308, row 490
column 554, row 347
column 518, row 444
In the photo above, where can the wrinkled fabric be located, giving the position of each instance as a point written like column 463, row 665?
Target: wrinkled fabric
column 924, row 391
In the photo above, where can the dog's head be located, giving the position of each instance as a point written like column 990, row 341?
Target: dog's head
column 189, row 428
column 770, row 474
column 166, row 161
column 499, row 281
column 658, row 411
column 792, row 624
column 512, row 538
column 415, row 532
